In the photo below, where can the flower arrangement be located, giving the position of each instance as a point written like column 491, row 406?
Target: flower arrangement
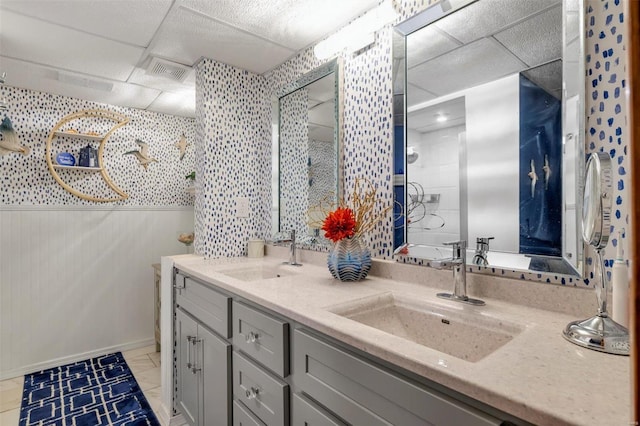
column 356, row 216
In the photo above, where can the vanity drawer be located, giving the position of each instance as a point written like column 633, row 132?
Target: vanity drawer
column 362, row 393
column 242, row 416
column 209, row 306
column 305, row 413
column 262, row 337
column 266, row 396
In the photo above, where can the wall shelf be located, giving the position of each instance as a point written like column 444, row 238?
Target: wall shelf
column 80, row 168
column 95, row 114
column 84, row 136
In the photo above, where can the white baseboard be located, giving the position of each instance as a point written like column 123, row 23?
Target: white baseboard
column 178, row 420
column 28, row 369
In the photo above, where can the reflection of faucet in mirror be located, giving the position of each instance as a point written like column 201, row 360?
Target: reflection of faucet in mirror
column 482, row 250
column 292, row 249
column 458, row 264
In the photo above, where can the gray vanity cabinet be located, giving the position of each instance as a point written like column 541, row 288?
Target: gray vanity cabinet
column 362, row 393
column 305, row 413
column 203, row 368
column 274, row 372
column 203, row 356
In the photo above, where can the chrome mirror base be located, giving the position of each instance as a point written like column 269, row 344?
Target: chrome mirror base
column 599, row 333
column 467, row 300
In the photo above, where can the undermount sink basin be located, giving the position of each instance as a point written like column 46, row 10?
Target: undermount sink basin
column 459, row 331
column 258, row 272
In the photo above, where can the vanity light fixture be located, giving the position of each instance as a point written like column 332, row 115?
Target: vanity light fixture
column 358, row 34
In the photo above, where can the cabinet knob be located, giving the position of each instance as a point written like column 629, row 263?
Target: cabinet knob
column 252, row 393
column 252, row 337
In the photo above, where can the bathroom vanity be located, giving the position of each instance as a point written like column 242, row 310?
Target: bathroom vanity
column 258, row 342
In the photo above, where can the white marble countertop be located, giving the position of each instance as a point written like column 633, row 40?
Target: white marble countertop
column 538, row 376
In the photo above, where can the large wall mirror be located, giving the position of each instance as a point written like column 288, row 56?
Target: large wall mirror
column 307, row 140
column 490, row 132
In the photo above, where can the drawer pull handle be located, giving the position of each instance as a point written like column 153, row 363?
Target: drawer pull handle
column 252, row 393
column 192, row 365
column 189, row 339
column 252, row 337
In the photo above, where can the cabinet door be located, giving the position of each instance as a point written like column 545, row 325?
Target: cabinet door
column 364, row 394
column 215, row 363
column 262, row 337
column 188, row 395
column 305, row 413
column 242, row 416
column 262, row 393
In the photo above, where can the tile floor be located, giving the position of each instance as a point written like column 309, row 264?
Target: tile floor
column 143, row 362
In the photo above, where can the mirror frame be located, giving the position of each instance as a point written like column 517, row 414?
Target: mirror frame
column 333, row 66
column 557, row 266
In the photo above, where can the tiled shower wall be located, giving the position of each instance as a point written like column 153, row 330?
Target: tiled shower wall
column 368, row 137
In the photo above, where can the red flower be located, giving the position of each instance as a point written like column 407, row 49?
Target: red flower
column 339, row 224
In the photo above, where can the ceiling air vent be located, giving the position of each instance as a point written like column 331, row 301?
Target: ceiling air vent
column 171, row 70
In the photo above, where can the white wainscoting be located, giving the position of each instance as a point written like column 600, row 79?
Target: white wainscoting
column 75, row 282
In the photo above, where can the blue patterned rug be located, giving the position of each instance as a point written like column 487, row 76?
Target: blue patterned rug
column 98, row 391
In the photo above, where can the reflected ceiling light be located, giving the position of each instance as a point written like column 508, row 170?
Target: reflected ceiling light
column 441, row 118
column 357, row 35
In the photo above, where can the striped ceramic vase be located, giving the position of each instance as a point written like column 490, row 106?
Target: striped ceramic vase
column 349, row 260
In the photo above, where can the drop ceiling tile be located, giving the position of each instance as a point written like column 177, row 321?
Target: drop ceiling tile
column 40, row 42
column 45, row 79
column 323, row 114
column 323, row 89
column 484, row 18
column 426, row 44
column 321, row 133
column 182, row 104
column 131, row 22
column 291, row 23
column 425, row 119
column 476, row 63
column 416, row 95
column 537, row 40
column 548, row 76
column 185, row 37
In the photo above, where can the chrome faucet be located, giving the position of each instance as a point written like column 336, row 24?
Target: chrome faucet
column 482, row 250
column 292, row 250
column 458, row 264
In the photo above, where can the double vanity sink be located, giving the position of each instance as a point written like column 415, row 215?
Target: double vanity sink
column 450, row 328
column 507, row 356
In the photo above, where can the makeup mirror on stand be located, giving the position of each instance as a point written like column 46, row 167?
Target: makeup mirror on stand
column 600, row 332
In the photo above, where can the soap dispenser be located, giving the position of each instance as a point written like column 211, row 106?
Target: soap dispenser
column 620, row 287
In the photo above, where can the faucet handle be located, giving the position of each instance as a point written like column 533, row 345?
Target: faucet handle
column 482, row 243
column 457, row 244
column 484, row 240
column 458, row 247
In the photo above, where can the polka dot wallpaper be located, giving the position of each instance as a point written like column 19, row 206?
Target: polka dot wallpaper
column 368, row 137
column 233, row 159
column 26, row 180
column 606, row 123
